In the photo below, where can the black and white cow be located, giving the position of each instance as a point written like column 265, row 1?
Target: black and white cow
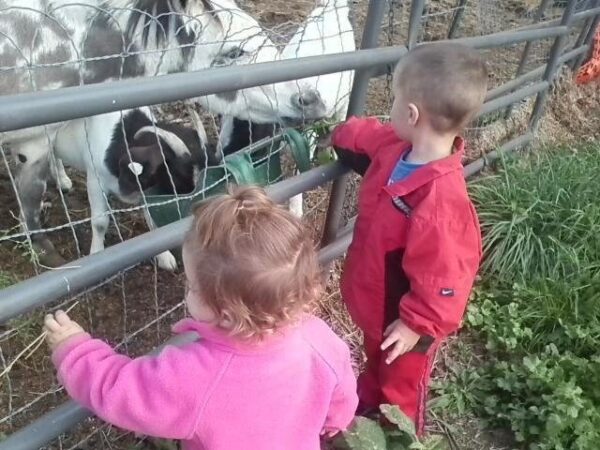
column 129, row 153
column 49, row 44
column 327, row 29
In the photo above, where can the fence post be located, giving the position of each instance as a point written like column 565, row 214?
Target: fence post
column 456, row 18
column 552, row 66
column 356, row 105
column 586, row 36
column 414, row 23
column 538, row 16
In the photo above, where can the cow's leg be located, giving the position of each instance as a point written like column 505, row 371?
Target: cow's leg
column 165, row 260
column 32, row 175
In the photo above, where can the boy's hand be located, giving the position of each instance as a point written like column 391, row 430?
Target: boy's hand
column 324, row 141
column 400, row 338
column 59, row 327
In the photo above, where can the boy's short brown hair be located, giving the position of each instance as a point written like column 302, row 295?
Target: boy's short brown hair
column 447, row 81
column 254, row 263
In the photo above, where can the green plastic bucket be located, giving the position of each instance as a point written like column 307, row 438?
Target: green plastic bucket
column 259, row 163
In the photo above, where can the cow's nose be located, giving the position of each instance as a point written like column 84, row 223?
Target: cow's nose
column 307, row 99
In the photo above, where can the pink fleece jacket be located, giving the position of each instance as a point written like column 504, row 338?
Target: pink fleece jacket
column 219, row 393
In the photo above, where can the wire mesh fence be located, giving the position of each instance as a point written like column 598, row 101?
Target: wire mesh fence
column 87, row 42
column 51, row 44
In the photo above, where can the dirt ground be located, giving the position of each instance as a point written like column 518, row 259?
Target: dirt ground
column 136, row 308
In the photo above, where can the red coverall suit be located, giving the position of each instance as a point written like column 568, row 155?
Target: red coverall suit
column 414, row 255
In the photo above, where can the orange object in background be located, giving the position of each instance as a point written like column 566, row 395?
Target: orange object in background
column 591, row 70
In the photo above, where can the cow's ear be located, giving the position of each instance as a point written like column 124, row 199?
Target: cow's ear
column 142, row 160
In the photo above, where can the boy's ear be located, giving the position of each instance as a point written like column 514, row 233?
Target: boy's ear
column 413, row 114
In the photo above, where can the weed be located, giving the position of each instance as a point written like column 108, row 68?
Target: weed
column 27, row 251
column 6, row 280
column 461, row 389
column 29, row 326
column 549, row 400
column 540, row 216
column 538, row 307
column 398, row 433
column 395, row 431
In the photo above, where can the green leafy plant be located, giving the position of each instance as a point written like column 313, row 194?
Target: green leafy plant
column 459, row 390
column 537, row 309
column 394, row 431
column 318, row 134
column 515, row 317
column 549, row 400
column 544, row 362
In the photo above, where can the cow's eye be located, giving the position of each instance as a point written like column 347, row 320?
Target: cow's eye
column 235, row 53
column 229, row 56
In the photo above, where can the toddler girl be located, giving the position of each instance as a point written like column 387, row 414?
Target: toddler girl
column 265, row 374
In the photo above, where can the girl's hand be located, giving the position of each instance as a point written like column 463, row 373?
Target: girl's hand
column 59, row 327
column 400, row 339
column 329, row 432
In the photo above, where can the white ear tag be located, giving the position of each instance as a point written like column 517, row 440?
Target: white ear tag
column 136, row 168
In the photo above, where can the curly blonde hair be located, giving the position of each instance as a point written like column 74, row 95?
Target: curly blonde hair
column 253, row 262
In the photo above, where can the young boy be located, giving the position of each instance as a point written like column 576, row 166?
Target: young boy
column 416, row 246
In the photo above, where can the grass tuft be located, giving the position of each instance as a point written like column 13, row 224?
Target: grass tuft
column 540, row 216
column 537, row 310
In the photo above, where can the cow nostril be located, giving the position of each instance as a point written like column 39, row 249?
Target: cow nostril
column 307, row 98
